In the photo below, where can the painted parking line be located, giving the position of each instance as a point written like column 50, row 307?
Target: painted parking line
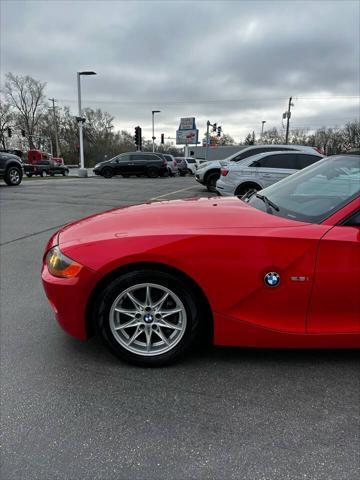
column 173, row 193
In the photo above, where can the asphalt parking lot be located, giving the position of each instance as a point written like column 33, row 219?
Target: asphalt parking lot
column 70, row 410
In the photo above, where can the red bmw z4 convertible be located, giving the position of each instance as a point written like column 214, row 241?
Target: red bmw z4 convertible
column 279, row 268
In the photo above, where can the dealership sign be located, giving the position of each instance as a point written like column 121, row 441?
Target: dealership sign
column 187, row 134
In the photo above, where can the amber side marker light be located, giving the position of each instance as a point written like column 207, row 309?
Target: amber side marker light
column 60, row 265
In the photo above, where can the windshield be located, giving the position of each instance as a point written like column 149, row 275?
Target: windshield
column 315, row 193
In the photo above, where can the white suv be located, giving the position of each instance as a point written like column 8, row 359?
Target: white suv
column 208, row 173
column 260, row 171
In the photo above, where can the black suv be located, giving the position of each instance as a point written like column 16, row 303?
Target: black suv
column 133, row 163
column 11, row 168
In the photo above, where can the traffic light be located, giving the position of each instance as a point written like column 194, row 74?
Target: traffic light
column 162, row 139
column 214, row 127
column 219, row 131
column 137, row 137
column 9, row 132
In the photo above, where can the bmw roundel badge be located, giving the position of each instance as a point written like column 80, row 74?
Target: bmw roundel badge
column 272, row 279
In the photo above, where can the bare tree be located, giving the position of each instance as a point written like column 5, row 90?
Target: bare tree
column 6, row 117
column 226, row 139
column 352, row 134
column 26, row 96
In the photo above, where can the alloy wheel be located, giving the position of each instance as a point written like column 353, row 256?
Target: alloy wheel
column 147, row 319
column 14, row 176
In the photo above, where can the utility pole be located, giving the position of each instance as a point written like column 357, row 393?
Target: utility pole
column 262, row 127
column 287, row 115
column 55, row 127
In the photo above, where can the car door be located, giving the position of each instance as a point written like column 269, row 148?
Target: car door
column 121, row 164
column 335, row 302
column 137, row 162
column 273, row 168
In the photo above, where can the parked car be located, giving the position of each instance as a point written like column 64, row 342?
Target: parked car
column 260, row 171
column 182, row 166
column 191, row 165
column 133, row 163
column 208, row 173
column 46, row 167
column 281, row 270
column 11, row 169
column 173, row 169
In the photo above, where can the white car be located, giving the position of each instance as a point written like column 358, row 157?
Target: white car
column 191, row 165
column 262, row 170
column 208, row 173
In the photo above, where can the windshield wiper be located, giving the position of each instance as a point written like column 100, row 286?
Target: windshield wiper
column 247, row 195
column 269, row 204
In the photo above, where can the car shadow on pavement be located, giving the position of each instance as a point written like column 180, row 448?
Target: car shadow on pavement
column 94, row 350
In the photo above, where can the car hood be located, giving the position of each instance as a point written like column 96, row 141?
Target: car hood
column 101, row 164
column 178, row 217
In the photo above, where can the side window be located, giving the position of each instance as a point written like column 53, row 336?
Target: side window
column 138, row 157
column 288, row 160
column 354, row 220
column 248, row 153
column 121, row 159
column 306, row 160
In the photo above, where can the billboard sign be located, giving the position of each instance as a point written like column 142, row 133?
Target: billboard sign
column 187, row 134
column 187, row 137
column 187, row 123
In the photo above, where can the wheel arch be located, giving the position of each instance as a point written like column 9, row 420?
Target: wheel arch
column 248, row 183
column 209, row 172
column 204, row 305
column 11, row 163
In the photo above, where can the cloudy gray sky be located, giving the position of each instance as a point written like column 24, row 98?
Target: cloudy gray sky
column 232, row 62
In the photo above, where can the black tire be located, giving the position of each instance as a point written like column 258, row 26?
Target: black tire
column 107, row 296
column 13, row 176
column 41, row 174
column 29, row 175
column 211, row 179
column 245, row 188
column 107, row 173
column 152, row 172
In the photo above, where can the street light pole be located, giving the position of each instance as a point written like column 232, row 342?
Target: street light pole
column 55, row 127
column 82, row 171
column 153, row 128
column 262, row 127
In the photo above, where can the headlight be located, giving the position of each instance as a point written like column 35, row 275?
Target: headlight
column 97, row 165
column 60, row 265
